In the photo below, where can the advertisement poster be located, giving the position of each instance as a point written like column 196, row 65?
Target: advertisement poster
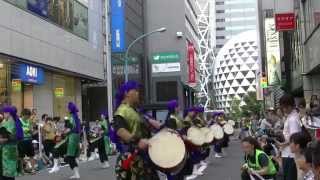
column 273, row 52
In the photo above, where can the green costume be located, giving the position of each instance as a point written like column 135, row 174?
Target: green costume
column 178, row 121
column 27, row 127
column 107, row 143
column 9, row 151
column 139, row 169
column 73, row 149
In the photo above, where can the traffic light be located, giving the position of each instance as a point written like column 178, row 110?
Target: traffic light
column 264, row 82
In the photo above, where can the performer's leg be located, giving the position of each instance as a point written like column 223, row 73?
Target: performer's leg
column 56, row 155
column 74, row 166
column 103, row 154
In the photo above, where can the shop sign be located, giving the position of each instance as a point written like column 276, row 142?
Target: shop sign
column 285, row 21
column 191, row 64
column 273, row 52
column 16, row 85
column 166, row 62
column 31, row 74
column 59, row 92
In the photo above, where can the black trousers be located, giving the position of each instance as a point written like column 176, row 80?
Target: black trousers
column 289, row 169
column 48, row 146
column 102, row 150
column 6, row 178
column 71, row 160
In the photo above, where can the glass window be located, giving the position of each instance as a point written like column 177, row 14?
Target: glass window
column 166, row 91
column 64, row 92
column 69, row 14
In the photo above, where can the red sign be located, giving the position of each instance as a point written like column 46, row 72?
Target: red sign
column 191, row 63
column 285, row 22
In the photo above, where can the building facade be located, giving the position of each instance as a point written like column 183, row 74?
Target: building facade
column 49, row 50
column 231, row 18
column 235, row 69
column 168, row 55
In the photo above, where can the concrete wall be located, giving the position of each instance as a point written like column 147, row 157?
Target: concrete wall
column 32, row 38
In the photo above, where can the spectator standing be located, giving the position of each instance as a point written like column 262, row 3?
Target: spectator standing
column 49, row 134
column 291, row 126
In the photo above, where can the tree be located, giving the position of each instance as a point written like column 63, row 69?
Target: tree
column 252, row 105
column 236, row 113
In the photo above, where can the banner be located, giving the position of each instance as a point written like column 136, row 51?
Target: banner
column 273, row 53
column 117, row 26
column 191, row 64
column 285, row 21
column 166, row 62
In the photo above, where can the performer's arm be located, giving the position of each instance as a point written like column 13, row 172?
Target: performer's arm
column 264, row 163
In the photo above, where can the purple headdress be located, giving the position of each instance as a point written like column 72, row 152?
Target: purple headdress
column 199, row 109
column 74, row 112
column 172, row 105
column 186, row 111
column 123, row 89
column 13, row 113
column 105, row 114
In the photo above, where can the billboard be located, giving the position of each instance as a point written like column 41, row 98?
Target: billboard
column 166, row 62
column 272, row 52
column 117, row 26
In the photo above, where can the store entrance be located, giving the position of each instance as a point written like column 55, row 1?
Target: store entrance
column 23, row 98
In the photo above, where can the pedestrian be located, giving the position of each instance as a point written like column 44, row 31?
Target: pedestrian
column 104, row 142
column 133, row 136
column 298, row 144
column 316, row 159
column 25, row 146
column 49, row 134
column 71, row 143
column 291, row 126
column 257, row 163
column 10, row 133
column 305, row 164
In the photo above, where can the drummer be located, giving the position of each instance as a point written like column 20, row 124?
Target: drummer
column 217, row 144
column 205, row 151
column 174, row 122
column 133, row 134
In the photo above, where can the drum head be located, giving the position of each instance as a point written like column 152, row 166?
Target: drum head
column 231, row 122
column 196, row 136
column 228, row 129
column 167, row 149
column 218, row 131
column 208, row 133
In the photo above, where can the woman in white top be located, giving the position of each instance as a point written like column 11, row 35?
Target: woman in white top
column 291, row 126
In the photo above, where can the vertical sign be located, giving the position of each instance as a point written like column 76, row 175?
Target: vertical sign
column 117, row 26
column 273, row 52
column 191, row 63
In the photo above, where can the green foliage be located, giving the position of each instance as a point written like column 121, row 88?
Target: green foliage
column 251, row 106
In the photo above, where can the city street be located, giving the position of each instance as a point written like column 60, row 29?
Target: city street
column 219, row 169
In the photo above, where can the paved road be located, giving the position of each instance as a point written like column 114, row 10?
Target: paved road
column 219, row 169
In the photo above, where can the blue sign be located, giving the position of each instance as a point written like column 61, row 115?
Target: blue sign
column 31, row 74
column 39, row 7
column 117, row 26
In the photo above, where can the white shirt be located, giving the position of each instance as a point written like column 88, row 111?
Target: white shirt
column 291, row 126
column 265, row 124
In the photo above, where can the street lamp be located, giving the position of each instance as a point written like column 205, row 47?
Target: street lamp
column 160, row 30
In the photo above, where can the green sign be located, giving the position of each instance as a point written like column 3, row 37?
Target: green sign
column 165, row 57
column 16, row 85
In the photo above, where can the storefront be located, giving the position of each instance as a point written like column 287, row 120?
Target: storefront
column 34, row 87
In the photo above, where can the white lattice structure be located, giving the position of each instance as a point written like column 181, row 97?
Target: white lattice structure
column 235, row 69
column 205, row 56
